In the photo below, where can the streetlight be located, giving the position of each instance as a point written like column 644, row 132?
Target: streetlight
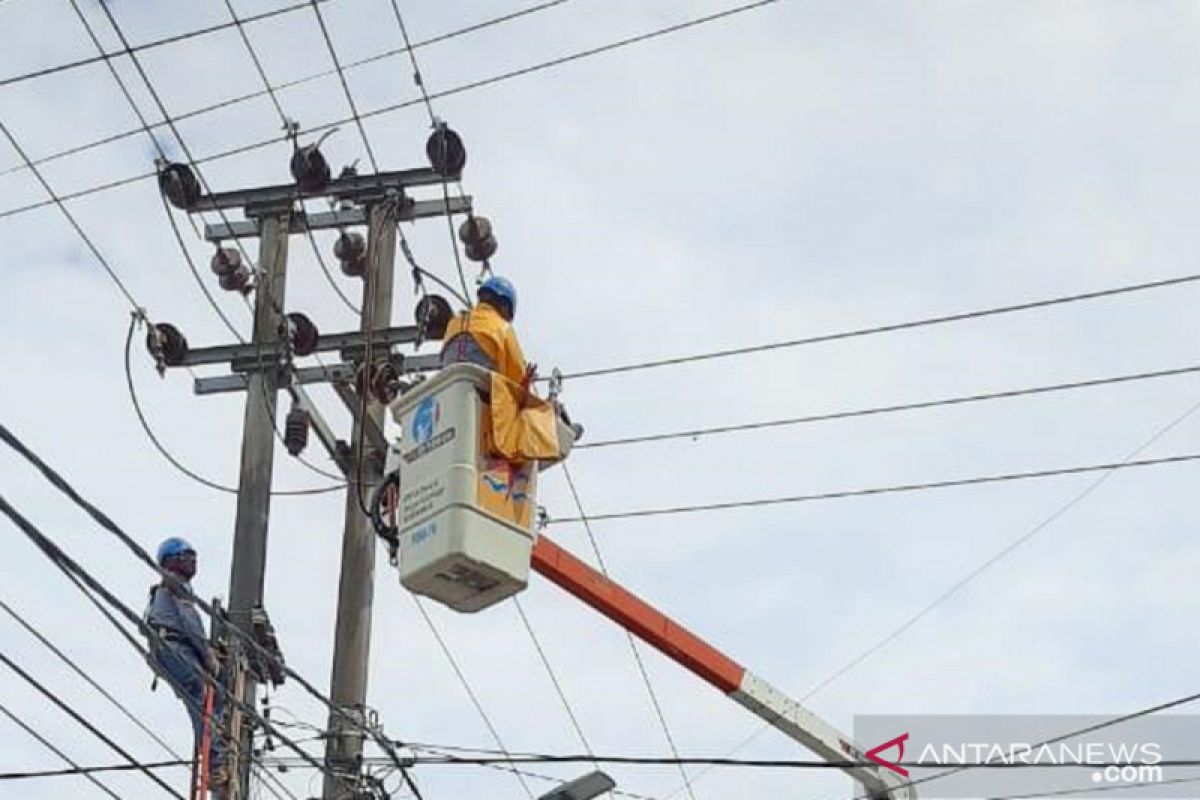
column 591, row 785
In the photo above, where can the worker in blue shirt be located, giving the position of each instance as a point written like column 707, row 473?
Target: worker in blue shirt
column 181, row 654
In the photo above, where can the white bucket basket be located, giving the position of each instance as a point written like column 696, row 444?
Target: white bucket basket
column 466, row 519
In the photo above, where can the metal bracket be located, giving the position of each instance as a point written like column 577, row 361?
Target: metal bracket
column 333, row 373
column 341, row 218
column 359, row 188
column 272, row 352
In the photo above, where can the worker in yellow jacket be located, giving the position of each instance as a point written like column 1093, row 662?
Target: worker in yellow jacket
column 484, row 334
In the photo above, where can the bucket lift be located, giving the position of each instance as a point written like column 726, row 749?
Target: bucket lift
column 466, row 517
column 466, row 539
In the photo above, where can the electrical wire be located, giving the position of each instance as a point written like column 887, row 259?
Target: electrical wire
column 173, row 460
column 419, row 80
column 129, row 715
column 892, row 327
column 537, row 776
column 191, row 263
column 462, row 679
column 105, row 522
column 970, row 576
column 83, row 62
column 83, row 721
column 187, row 255
column 68, row 565
column 637, row 656
column 337, row 65
column 57, row 201
column 455, row 90
column 198, row 112
column 558, row 688
column 877, row 490
column 52, row 748
column 893, row 408
column 145, row 655
column 765, row 763
column 76, row 769
column 1093, row 788
column 1191, row 698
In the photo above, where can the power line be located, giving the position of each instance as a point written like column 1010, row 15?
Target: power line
column 190, row 261
column 88, row 678
column 892, row 327
column 419, row 79
column 464, row 87
column 1191, row 698
column 970, row 576
column 75, row 769
column 889, row 409
column 83, row 62
column 558, row 688
column 172, row 459
column 104, row 521
column 466, row 684
column 767, row 763
column 370, row 304
column 637, row 656
column 71, row 567
column 52, row 748
column 551, row 779
column 204, row 110
column 337, row 65
column 83, row 721
column 56, row 200
column 895, row 489
column 1092, row 788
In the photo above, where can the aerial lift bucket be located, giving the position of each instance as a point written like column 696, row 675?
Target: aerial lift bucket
column 466, row 517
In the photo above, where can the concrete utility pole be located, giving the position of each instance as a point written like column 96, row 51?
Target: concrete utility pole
column 249, row 564
column 356, row 588
column 264, row 365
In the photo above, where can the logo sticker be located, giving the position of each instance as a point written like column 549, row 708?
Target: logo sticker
column 424, row 421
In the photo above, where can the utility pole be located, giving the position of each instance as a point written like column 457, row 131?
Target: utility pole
column 249, row 563
column 356, row 587
column 265, row 365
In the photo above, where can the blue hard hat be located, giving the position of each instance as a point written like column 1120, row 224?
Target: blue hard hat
column 174, row 546
column 502, row 288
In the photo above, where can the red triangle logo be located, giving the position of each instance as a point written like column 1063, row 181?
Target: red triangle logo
column 898, row 742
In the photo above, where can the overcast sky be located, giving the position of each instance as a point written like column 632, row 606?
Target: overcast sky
column 802, row 168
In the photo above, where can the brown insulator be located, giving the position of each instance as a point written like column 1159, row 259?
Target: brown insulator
column 166, row 344
column 302, row 334
column 310, row 169
column 225, row 260
column 433, row 313
column 350, row 249
column 446, row 151
column 237, row 280
column 178, row 184
column 295, row 431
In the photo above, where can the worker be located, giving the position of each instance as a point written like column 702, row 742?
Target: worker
column 484, row 335
column 181, row 653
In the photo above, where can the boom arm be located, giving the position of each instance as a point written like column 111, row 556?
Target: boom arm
column 697, row 656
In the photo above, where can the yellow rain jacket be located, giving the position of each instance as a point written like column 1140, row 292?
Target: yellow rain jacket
column 495, row 338
column 522, row 426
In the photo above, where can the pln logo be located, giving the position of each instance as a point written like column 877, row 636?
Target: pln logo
column 425, row 420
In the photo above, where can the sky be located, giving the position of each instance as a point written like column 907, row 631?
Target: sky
column 798, row 169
